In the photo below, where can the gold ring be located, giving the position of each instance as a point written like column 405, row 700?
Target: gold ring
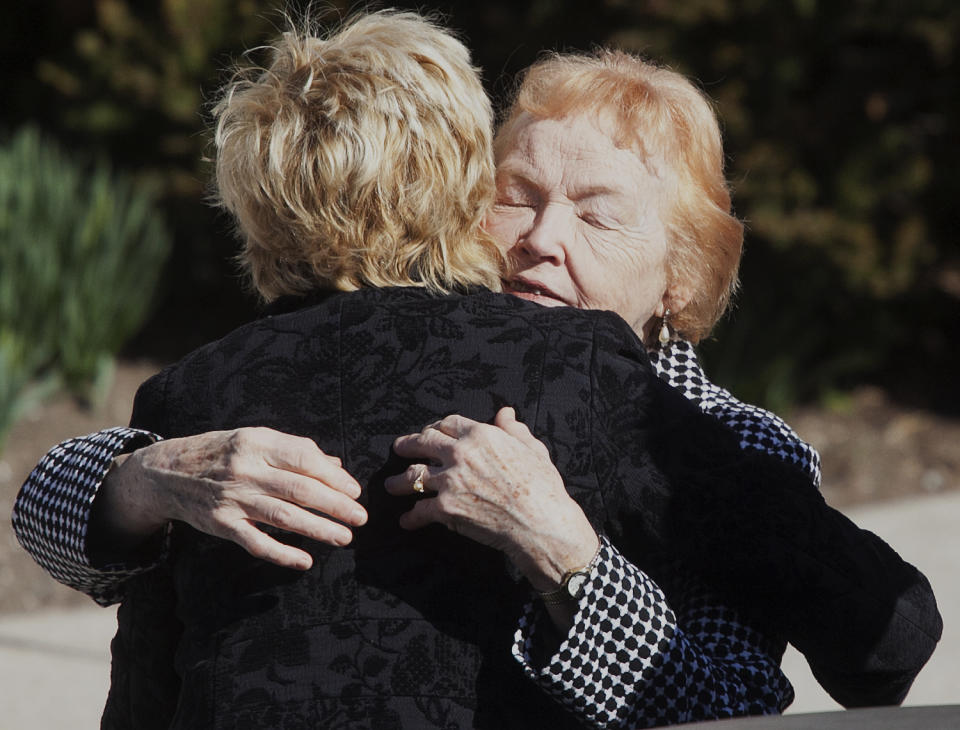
column 418, row 482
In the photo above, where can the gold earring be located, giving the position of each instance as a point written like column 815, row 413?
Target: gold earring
column 664, row 336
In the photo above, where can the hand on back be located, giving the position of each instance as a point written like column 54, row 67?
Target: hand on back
column 228, row 484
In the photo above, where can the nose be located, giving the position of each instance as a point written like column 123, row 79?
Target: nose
column 547, row 237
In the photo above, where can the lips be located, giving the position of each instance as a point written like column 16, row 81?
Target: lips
column 533, row 291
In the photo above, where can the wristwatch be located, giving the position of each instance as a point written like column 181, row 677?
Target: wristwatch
column 572, row 584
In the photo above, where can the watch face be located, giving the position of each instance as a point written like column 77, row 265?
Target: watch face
column 576, row 583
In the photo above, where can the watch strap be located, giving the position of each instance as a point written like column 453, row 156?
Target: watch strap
column 562, row 594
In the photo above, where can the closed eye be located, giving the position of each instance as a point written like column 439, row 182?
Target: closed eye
column 598, row 222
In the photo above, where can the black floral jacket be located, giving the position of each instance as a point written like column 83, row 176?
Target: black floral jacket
column 400, row 629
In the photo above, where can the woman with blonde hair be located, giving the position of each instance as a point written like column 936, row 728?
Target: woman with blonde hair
column 304, row 149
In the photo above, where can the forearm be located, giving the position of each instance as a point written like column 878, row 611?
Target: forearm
column 630, row 662
column 868, row 621
column 569, row 547
column 865, row 619
column 758, row 527
column 51, row 516
column 124, row 519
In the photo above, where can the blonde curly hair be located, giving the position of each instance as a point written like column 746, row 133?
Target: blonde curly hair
column 363, row 158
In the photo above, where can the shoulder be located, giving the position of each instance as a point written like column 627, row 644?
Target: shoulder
column 756, row 427
column 480, row 310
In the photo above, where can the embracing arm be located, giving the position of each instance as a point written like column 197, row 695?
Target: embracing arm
column 94, row 516
column 630, row 661
column 623, row 659
column 745, row 510
column 865, row 619
column 51, row 515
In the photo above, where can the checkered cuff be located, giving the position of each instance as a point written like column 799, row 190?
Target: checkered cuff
column 52, row 511
column 626, row 663
column 621, row 625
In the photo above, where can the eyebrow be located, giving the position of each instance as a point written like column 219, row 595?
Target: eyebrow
column 506, row 174
column 512, row 171
column 517, row 174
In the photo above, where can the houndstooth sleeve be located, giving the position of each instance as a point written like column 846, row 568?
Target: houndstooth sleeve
column 676, row 363
column 52, row 511
column 630, row 662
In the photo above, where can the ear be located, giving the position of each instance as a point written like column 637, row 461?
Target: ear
column 675, row 298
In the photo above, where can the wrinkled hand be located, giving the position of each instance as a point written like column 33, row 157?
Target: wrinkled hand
column 226, row 482
column 495, row 484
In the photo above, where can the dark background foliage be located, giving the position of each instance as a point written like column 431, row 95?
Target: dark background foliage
column 840, row 122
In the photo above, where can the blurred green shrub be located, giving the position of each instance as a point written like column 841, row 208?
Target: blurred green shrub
column 132, row 80
column 81, row 249
column 139, row 71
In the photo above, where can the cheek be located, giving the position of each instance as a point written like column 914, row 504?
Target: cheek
column 648, row 263
column 651, row 270
column 643, row 282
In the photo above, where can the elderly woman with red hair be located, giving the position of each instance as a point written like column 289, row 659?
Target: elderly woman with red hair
column 611, row 195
